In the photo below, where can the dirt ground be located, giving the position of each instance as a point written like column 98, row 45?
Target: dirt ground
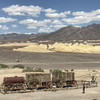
column 84, row 65
column 60, row 60
column 75, row 94
column 90, row 94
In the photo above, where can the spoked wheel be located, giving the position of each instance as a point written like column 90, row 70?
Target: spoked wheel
column 74, row 83
column 3, row 89
column 24, row 87
column 34, row 84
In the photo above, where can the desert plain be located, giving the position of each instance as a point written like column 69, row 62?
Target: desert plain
column 85, row 60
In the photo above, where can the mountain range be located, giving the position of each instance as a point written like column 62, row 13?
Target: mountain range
column 90, row 32
column 17, row 37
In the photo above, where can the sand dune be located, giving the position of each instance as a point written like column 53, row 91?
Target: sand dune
column 62, row 47
column 82, row 48
column 16, row 44
column 34, row 48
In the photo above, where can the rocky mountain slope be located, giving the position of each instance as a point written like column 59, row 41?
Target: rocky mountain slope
column 16, row 37
column 91, row 32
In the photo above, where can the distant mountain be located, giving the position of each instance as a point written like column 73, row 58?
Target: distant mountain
column 15, row 37
column 91, row 32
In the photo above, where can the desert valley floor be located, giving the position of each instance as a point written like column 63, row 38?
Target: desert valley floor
column 82, row 63
column 50, row 60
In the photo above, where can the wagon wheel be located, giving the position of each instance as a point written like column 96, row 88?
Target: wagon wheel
column 49, row 84
column 74, row 83
column 24, row 87
column 3, row 89
column 34, row 83
column 59, row 83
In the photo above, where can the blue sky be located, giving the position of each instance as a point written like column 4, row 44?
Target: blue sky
column 37, row 16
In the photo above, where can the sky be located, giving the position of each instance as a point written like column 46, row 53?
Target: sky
column 46, row 16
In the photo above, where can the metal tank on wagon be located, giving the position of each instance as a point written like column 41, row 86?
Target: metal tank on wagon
column 13, row 84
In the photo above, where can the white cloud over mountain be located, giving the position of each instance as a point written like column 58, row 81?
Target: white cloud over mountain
column 35, row 23
column 82, row 17
column 46, row 19
column 23, row 10
column 59, row 26
column 56, row 21
column 43, row 25
column 45, row 29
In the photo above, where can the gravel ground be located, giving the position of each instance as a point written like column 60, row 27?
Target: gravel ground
column 52, row 61
column 90, row 94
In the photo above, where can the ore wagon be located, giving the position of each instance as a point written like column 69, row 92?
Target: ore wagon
column 38, row 80
column 63, row 79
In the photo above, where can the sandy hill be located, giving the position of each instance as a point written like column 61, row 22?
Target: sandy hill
column 61, row 47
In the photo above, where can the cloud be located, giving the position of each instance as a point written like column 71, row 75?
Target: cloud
column 56, row 21
column 44, row 22
column 33, row 11
column 53, row 19
column 5, row 20
column 14, row 25
column 30, row 26
column 77, row 20
column 55, row 15
column 81, row 17
column 31, row 23
column 23, row 10
column 82, row 13
column 77, row 26
column 49, row 10
column 43, row 25
column 28, row 21
column 4, row 27
column 11, row 32
column 59, row 26
column 45, row 29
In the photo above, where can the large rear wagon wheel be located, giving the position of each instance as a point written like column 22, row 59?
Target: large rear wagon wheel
column 75, row 84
